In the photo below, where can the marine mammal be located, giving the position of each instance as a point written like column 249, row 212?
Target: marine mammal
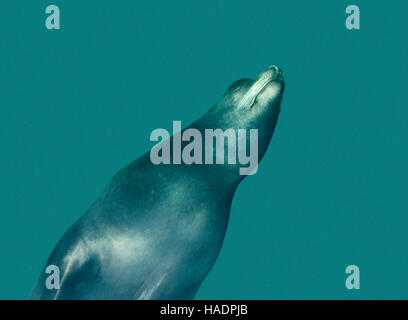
column 156, row 230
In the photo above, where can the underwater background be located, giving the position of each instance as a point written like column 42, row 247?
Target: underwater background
column 78, row 104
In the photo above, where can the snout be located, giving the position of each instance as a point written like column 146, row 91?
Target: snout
column 273, row 73
column 267, row 87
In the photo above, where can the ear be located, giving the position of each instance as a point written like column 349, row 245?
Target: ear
column 235, row 86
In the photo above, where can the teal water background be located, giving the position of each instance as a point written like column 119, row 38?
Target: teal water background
column 78, row 104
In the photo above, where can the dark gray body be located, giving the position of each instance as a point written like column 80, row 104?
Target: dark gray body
column 156, row 230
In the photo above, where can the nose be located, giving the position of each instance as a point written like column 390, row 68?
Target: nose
column 272, row 75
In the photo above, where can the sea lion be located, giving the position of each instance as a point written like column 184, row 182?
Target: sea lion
column 156, row 230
